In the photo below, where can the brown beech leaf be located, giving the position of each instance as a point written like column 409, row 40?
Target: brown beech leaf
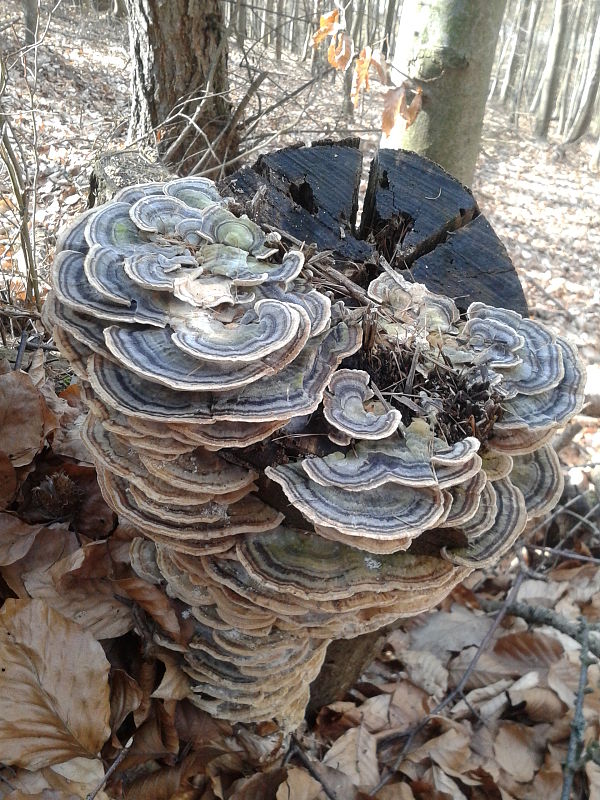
column 379, row 63
column 198, row 727
column 154, row 602
column 258, row 786
column 516, row 750
column 299, row 786
column 16, row 537
column 360, row 78
column 355, row 754
column 155, row 739
column 8, row 480
column 340, row 51
column 395, row 104
column 54, row 702
column 175, row 684
column 125, row 697
column 22, row 418
column 167, row 783
column 52, row 543
column 328, row 26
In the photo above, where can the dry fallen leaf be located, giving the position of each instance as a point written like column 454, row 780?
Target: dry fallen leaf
column 17, row 537
column 8, row 480
column 54, row 701
column 515, row 751
column 299, row 786
column 355, row 754
column 426, row 671
column 22, row 418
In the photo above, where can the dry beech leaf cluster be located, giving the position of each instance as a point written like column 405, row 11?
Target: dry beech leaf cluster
column 287, row 468
column 405, row 100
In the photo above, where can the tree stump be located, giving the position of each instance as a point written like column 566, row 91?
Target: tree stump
column 419, row 218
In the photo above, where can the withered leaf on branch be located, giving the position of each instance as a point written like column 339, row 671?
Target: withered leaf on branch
column 395, row 104
column 340, row 51
column 360, row 78
column 328, row 26
column 54, row 702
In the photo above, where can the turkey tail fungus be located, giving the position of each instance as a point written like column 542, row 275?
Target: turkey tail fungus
column 300, row 466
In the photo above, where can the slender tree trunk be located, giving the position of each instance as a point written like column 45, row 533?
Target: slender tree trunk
column 533, row 17
column 241, row 18
column 550, row 77
column 590, row 91
column 179, row 82
column 31, row 9
column 390, row 27
column 448, row 49
column 510, row 71
column 569, row 70
column 279, row 30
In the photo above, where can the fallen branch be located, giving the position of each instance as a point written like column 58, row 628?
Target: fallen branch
column 570, row 766
column 538, row 615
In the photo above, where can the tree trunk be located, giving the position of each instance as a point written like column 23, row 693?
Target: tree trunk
column 179, row 84
column 280, row 24
column 550, row 76
column 508, row 82
column 448, row 49
column 31, row 9
column 390, row 27
column 590, row 91
column 533, row 18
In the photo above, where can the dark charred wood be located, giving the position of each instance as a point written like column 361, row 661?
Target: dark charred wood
column 418, row 200
column 472, row 264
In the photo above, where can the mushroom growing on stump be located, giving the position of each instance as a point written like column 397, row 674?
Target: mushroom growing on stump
column 291, row 485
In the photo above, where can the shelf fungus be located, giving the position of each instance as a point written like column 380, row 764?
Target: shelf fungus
column 290, row 484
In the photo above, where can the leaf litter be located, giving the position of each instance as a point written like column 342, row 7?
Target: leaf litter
column 78, row 689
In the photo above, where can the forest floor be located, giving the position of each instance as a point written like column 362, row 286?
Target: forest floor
column 506, row 731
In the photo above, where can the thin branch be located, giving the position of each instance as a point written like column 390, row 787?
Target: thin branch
column 109, row 772
column 578, row 723
column 538, row 615
column 297, row 751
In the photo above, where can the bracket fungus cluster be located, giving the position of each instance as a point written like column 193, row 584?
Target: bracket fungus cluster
column 292, row 480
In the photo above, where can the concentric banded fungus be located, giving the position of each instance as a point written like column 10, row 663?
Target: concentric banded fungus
column 291, row 486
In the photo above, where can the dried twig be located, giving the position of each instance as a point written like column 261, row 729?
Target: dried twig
column 578, row 723
column 539, row 615
column 297, row 752
column 110, row 771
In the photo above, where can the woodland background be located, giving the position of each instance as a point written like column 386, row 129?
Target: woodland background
column 495, row 694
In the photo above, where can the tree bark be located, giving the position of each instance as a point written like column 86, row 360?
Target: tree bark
column 550, row 76
column 447, row 48
column 179, row 85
